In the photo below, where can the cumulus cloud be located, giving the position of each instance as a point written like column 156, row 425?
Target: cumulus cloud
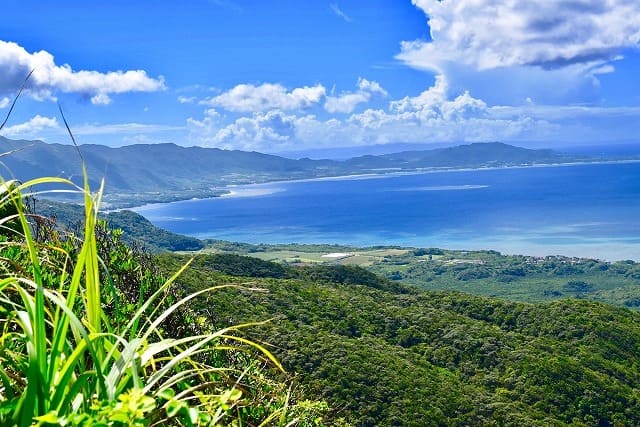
column 372, row 87
column 49, row 77
column 488, row 34
column 262, row 129
column 345, row 103
column 31, row 127
column 429, row 117
column 4, row 102
column 267, row 96
column 434, row 103
column 348, row 101
column 432, row 116
column 270, row 118
column 101, row 99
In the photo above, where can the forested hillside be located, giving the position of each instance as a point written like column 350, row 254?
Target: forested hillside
column 145, row 173
column 383, row 354
column 135, row 228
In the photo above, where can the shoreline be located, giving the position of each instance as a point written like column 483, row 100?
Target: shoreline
column 229, row 189
column 571, row 239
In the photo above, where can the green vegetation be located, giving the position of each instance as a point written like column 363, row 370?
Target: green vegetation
column 519, row 278
column 91, row 334
column 384, row 354
column 136, row 229
column 511, row 277
column 378, row 351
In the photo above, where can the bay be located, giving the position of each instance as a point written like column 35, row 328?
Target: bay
column 589, row 210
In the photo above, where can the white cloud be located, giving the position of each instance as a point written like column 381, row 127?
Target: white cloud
column 186, row 99
column 371, row 87
column 4, row 102
column 434, row 103
column 31, row 127
column 347, row 102
column 49, row 77
column 267, row 96
column 432, row 97
column 48, row 128
column 261, row 130
column 101, row 99
column 488, row 34
column 334, row 7
column 433, row 117
column 130, row 139
column 441, row 113
column 249, row 98
column 429, row 117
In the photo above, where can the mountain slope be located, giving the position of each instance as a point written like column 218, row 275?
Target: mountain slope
column 160, row 172
column 384, row 357
column 141, row 167
column 136, row 229
column 477, row 154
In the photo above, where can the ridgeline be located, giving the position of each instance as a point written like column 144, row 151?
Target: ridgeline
column 147, row 173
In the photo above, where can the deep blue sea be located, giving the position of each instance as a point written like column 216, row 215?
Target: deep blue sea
column 588, row 210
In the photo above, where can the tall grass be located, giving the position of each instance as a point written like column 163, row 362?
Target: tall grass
column 65, row 361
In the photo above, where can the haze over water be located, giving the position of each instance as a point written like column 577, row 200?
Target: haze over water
column 582, row 210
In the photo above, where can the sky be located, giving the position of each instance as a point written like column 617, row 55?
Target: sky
column 283, row 75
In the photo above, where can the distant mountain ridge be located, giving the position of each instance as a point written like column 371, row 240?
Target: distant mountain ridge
column 472, row 155
column 145, row 173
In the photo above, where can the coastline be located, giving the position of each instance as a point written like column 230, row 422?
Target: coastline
column 232, row 189
column 582, row 237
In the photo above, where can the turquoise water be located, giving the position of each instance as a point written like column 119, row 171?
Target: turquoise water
column 581, row 210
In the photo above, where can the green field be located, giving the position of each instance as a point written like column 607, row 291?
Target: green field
column 488, row 273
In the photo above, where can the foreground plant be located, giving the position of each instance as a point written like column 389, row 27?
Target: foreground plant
column 64, row 360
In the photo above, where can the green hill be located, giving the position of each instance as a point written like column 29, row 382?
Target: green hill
column 474, row 155
column 389, row 356
column 145, row 173
column 136, row 229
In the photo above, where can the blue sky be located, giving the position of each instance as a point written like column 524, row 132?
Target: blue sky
column 277, row 76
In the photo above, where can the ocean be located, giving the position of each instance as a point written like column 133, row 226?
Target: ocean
column 588, row 210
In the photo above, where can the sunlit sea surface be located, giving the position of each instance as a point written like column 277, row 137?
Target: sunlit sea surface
column 588, row 210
